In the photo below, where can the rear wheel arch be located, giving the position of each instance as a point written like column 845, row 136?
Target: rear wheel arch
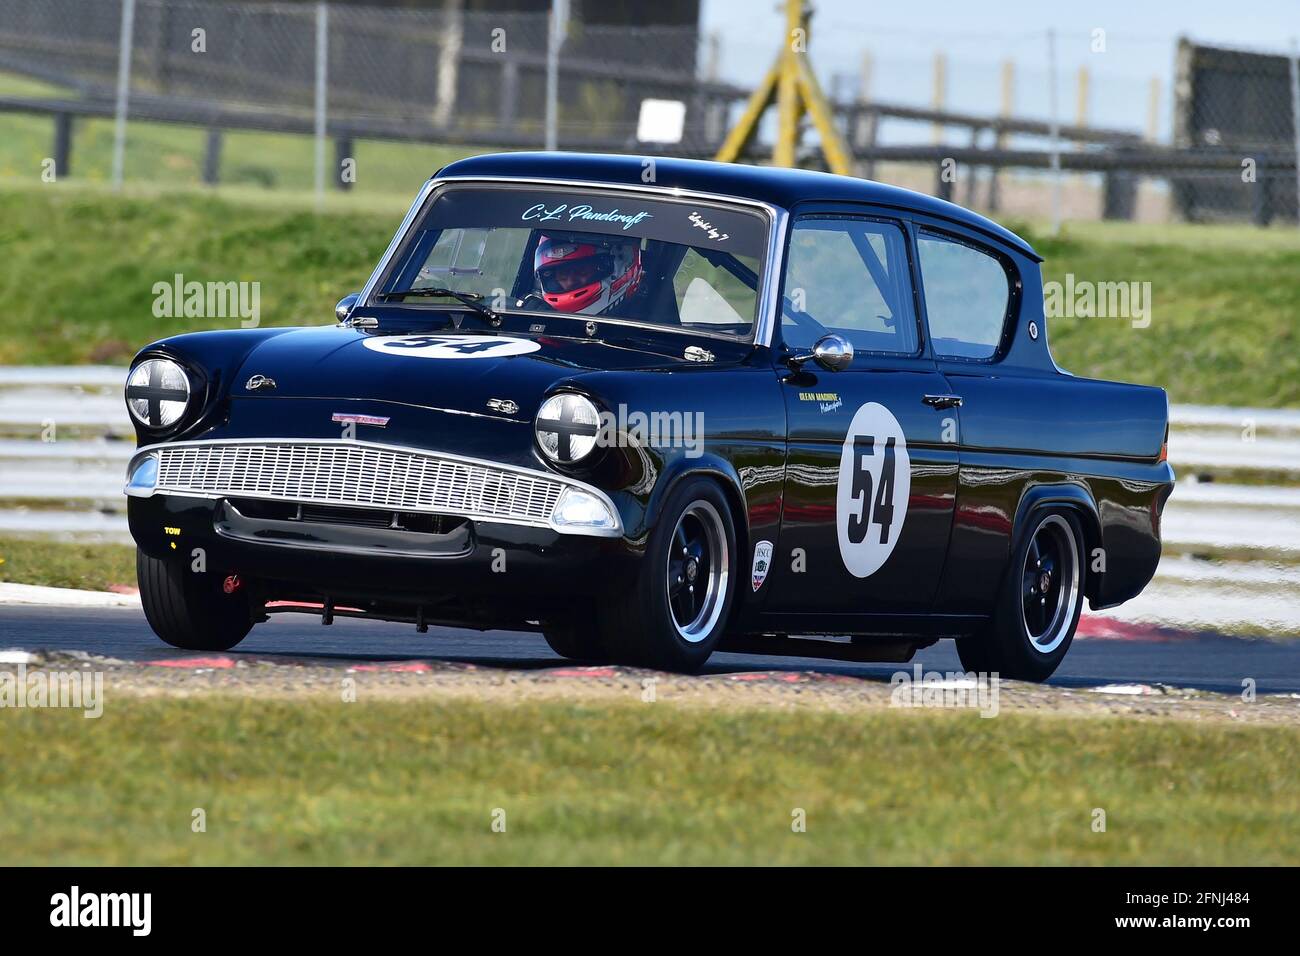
column 1091, row 526
column 1067, row 494
column 1073, row 497
column 1047, row 567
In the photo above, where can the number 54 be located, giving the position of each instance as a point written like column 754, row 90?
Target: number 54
column 881, row 509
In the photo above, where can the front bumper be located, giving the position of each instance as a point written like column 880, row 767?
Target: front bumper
column 383, row 527
column 489, row 574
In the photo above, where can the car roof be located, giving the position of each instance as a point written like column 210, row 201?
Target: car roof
column 771, row 184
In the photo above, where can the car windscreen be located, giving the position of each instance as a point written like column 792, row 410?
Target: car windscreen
column 595, row 254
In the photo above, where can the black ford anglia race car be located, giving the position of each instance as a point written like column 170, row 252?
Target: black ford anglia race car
column 653, row 409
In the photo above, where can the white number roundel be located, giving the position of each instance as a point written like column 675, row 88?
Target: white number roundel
column 874, row 484
column 449, row 346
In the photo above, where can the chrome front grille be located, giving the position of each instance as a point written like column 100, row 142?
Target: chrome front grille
column 351, row 474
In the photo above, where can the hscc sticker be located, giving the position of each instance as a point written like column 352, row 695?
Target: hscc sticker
column 874, row 484
column 450, row 346
column 762, row 563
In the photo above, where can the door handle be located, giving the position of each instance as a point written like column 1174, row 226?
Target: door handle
column 942, row 401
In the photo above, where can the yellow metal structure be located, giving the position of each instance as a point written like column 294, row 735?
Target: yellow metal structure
column 791, row 83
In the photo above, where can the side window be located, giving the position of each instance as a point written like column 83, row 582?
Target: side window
column 966, row 296
column 849, row 276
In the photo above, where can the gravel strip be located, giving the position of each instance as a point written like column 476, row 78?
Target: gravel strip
column 199, row 676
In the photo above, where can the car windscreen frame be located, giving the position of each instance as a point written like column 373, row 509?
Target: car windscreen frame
column 771, row 221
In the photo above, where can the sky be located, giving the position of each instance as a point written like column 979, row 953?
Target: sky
column 977, row 35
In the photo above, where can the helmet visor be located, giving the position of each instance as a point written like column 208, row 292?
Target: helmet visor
column 567, row 276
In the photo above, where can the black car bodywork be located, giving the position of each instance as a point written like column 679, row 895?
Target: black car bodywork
column 990, row 442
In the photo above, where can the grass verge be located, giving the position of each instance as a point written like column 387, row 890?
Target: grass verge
column 1223, row 305
column 85, row 266
column 78, row 268
column 65, row 564
column 417, row 782
column 169, row 154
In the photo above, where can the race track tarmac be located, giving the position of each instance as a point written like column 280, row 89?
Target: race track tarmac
column 1206, row 662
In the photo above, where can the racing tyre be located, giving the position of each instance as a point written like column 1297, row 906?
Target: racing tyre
column 676, row 612
column 1039, row 604
column 189, row 610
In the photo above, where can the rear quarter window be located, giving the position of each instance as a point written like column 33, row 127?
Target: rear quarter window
column 967, row 293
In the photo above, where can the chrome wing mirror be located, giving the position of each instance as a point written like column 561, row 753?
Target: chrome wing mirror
column 346, row 305
column 833, row 352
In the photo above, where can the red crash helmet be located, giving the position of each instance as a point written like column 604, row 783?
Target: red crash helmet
column 587, row 274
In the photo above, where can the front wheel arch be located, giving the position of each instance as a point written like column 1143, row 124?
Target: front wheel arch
column 643, row 626
column 712, row 468
column 724, row 476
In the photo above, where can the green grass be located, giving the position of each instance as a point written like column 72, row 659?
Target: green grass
column 321, row 782
column 84, row 262
column 172, row 155
column 63, row 564
column 83, row 266
column 77, row 266
column 1225, row 306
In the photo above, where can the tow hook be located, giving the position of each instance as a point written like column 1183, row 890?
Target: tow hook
column 232, row 584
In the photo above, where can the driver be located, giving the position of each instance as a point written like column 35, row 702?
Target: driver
column 587, row 274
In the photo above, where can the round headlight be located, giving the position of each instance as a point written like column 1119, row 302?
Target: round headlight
column 567, row 425
column 157, row 393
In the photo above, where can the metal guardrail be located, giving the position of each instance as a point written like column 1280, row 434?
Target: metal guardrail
column 701, row 137
column 81, row 409
column 71, row 487
column 1120, row 155
column 221, row 117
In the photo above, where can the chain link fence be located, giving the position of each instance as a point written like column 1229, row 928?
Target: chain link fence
column 1242, row 105
column 1207, row 135
column 463, row 70
column 1210, row 135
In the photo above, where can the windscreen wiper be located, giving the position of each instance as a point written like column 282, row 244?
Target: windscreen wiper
column 471, row 299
